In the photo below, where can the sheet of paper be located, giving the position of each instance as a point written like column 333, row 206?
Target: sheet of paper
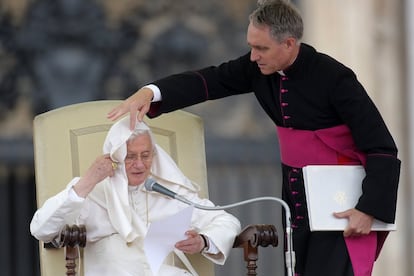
column 162, row 235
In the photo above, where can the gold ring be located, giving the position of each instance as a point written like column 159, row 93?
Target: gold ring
column 114, row 166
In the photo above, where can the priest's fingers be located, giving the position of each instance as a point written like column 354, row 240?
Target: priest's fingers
column 359, row 223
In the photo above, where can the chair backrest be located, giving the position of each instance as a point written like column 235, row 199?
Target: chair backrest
column 68, row 139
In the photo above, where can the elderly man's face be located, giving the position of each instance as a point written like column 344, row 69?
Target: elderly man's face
column 138, row 159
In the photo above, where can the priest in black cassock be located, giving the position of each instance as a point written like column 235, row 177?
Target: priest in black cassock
column 316, row 101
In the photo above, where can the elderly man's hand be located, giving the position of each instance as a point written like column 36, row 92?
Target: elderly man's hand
column 193, row 244
column 100, row 169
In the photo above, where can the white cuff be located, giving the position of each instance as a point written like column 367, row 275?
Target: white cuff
column 212, row 248
column 74, row 196
column 156, row 91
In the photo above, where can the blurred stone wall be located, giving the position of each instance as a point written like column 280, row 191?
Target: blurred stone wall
column 369, row 36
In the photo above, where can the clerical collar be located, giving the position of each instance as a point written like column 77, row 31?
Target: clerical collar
column 281, row 73
column 133, row 188
column 302, row 61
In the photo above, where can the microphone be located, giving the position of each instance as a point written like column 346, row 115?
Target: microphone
column 290, row 259
column 151, row 185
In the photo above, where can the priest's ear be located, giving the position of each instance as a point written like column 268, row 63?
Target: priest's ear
column 291, row 42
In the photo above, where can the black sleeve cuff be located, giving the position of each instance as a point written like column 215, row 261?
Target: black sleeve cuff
column 380, row 186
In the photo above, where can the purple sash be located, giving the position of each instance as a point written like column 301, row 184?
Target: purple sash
column 329, row 146
column 332, row 146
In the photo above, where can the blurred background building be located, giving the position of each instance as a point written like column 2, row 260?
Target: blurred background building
column 59, row 52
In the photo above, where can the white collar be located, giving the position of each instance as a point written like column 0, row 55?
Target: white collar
column 281, row 73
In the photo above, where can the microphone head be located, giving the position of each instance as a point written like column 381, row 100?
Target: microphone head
column 149, row 183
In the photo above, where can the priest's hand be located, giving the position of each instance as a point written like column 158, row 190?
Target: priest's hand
column 137, row 105
column 359, row 223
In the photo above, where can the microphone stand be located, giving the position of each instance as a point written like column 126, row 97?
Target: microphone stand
column 290, row 258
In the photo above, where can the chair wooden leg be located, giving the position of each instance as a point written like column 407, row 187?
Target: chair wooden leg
column 250, row 257
column 71, row 257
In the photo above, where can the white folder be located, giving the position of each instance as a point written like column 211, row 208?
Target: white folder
column 334, row 188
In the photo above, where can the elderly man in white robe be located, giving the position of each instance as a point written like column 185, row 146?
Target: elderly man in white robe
column 113, row 204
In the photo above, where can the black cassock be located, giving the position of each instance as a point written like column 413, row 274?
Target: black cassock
column 316, row 92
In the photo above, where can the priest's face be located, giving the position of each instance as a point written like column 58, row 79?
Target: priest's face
column 138, row 159
column 269, row 54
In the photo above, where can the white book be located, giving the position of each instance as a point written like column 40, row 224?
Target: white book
column 334, row 188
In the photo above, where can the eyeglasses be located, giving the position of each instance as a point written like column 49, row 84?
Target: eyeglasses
column 145, row 157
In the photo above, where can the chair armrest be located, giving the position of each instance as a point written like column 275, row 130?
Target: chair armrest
column 250, row 238
column 72, row 237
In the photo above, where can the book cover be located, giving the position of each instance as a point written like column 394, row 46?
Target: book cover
column 334, row 188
